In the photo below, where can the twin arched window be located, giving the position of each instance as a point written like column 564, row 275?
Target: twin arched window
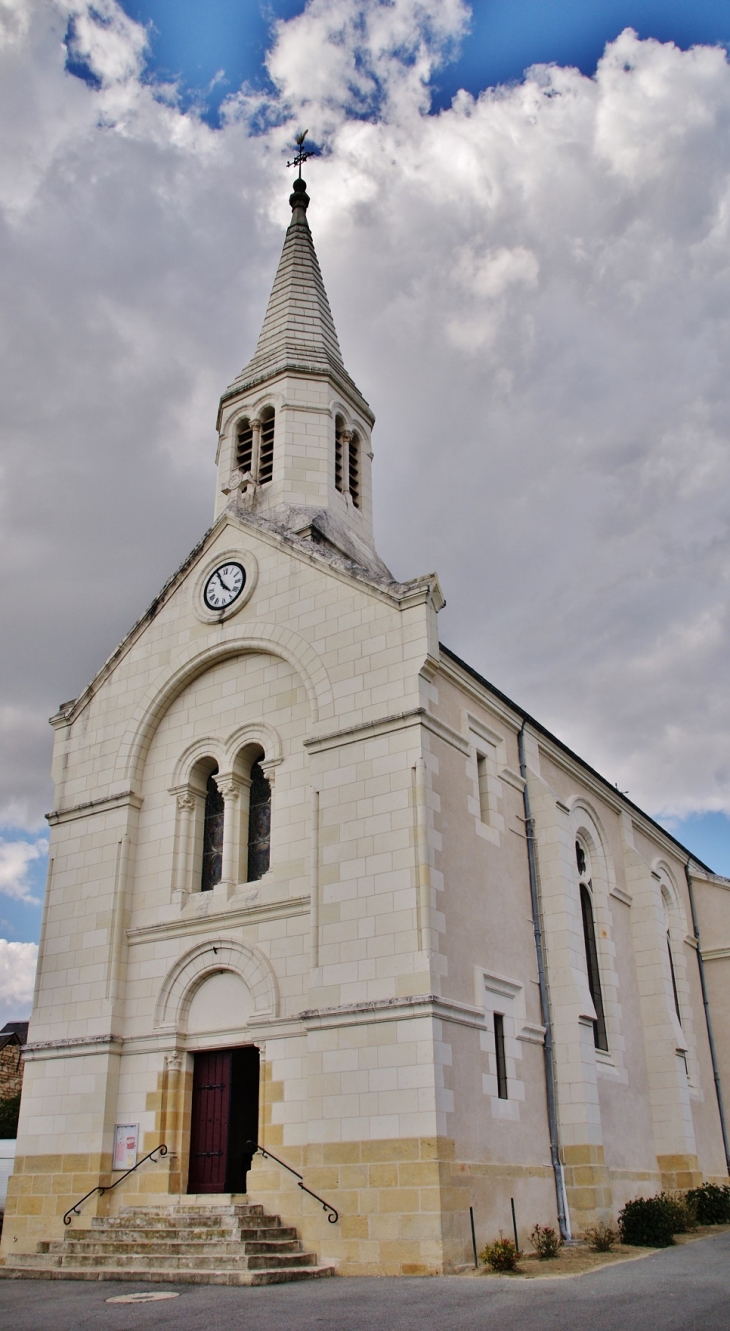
column 347, row 461
column 600, row 1034
column 255, row 446
column 251, row 839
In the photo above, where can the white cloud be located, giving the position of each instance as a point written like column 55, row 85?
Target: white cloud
column 17, row 977
column 531, row 288
column 15, row 860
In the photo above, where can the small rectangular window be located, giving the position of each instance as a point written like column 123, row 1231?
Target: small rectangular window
column 483, row 778
column 501, row 1059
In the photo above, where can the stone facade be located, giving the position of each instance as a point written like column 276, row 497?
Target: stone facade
column 385, row 964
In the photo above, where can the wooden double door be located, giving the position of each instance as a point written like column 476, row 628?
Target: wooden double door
column 225, row 1119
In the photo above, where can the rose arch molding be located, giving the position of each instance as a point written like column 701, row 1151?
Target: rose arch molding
column 270, row 638
column 210, row 958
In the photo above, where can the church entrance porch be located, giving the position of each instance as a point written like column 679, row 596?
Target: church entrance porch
column 224, row 1119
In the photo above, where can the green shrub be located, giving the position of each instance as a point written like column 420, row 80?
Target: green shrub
column 602, row 1237
column 545, row 1241
column 682, row 1211
column 646, row 1222
column 711, row 1203
column 501, row 1255
column 9, row 1111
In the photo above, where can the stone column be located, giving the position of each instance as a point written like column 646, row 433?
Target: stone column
column 255, row 449
column 230, row 788
column 181, row 872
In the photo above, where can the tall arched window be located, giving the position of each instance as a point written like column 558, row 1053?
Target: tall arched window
column 212, row 836
column 259, row 824
column 600, row 1037
column 266, row 456
column 244, row 446
column 672, row 971
column 674, row 978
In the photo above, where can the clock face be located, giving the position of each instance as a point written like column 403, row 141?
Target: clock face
column 224, row 586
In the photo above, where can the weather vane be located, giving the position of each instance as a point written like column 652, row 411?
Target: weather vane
column 301, row 155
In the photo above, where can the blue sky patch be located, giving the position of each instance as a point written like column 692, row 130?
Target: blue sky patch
column 214, row 46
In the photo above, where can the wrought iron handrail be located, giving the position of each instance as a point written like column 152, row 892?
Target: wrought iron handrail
column 332, row 1215
column 74, row 1210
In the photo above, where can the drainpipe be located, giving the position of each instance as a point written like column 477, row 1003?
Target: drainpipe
column 708, row 1023
column 562, row 1200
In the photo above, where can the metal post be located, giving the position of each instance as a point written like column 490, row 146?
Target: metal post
column 562, row 1201
column 473, row 1238
column 708, row 1022
column 514, row 1224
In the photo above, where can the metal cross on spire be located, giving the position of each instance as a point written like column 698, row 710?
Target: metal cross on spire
column 301, row 155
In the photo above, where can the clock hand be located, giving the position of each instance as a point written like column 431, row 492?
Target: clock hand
column 224, row 585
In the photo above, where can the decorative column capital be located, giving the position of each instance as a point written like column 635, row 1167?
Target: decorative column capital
column 228, row 785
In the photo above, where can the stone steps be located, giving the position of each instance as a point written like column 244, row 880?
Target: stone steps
column 140, row 1261
column 169, row 1247
column 231, row 1244
column 219, row 1277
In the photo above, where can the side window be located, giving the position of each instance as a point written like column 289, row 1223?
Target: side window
column 484, row 788
column 483, row 784
column 500, row 1056
column 672, row 971
column 600, row 1036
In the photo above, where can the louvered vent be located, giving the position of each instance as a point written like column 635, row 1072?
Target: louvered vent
column 339, row 454
column 266, row 461
column 355, row 470
column 244, row 451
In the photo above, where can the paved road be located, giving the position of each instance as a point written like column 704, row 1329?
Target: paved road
column 685, row 1288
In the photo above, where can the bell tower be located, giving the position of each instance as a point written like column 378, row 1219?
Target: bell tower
column 294, row 430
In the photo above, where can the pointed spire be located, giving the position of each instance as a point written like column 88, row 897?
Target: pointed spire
column 295, row 401
column 298, row 332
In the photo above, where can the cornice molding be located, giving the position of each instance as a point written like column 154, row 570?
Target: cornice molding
column 408, row 1008
column 72, row 1047
column 125, row 798
column 385, row 725
column 283, row 908
column 715, row 953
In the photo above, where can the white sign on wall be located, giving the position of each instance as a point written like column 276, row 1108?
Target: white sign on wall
column 126, row 1137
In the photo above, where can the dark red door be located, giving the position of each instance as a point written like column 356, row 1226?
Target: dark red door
column 209, row 1125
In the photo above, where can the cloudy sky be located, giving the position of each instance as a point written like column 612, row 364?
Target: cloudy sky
column 522, row 214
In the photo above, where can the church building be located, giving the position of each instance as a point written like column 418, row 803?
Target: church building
column 316, row 886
